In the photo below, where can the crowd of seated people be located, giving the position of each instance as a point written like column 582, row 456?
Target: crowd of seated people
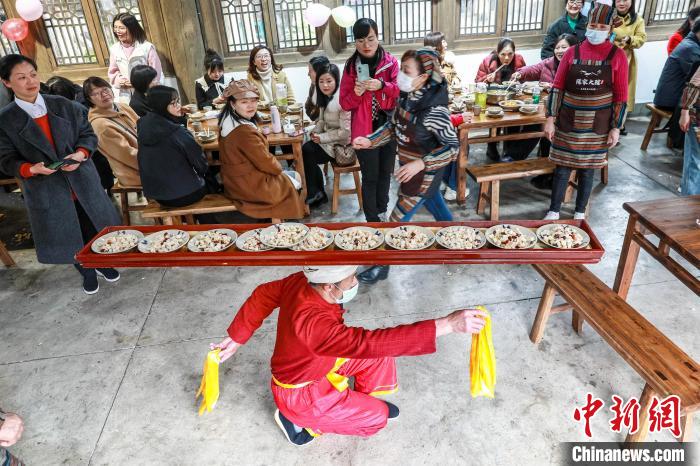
column 142, row 136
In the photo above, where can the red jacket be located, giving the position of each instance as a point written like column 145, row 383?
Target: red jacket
column 311, row 333
column 488, row 66
column 361, row 106
column 673, row 41
column 544, row 71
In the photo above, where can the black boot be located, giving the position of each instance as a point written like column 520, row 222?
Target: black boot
column 287, row 426
column 492, row 151
column 374, row 274
column 393, row 410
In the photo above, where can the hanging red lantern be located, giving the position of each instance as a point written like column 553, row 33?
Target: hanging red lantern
column 15, row 29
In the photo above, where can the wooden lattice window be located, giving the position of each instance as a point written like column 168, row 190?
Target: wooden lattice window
column 670, row 10
column 6, row 46
column 477, row 17
column 524, row 15
column 412, row 19
column 243, row 24
column 68, row 32
column 292, row 31
column 366, row 9
column 108, row 9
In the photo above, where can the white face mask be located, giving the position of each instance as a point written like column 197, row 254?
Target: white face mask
column 596, row 37
column 405, row 82
column 348, row 295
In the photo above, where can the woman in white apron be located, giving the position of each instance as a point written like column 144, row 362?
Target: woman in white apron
column 131, row 49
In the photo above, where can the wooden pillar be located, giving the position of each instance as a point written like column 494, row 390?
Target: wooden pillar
column 174, row 30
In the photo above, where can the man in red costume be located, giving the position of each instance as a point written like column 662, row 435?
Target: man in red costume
column 315, row 353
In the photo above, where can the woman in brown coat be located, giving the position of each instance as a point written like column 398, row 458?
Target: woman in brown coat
column 115, row 127
column 253, row 179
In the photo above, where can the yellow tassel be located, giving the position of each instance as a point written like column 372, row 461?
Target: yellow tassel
column 482, row 361
column 209, row 388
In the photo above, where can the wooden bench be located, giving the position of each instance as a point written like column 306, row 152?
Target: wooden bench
column 210, row 204
column 9, row 182
column 5, row 256
column 337, row 192
column 657, row 115
column 125, row 208
column 666, row 369
column 489, row 178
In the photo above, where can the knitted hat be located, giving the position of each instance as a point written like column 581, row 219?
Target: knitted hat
column 430, row 61
column 602, row 12
column 241, row 89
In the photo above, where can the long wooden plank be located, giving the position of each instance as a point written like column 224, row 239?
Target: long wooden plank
column 665, row 367
column 511, row 170
column 331, row 255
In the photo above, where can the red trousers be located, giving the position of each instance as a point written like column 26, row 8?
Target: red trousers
column 321, row 407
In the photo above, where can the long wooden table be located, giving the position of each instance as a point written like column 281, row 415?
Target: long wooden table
column 233, row 257
column 273, row 139
column 673, row 222
column 482, row 121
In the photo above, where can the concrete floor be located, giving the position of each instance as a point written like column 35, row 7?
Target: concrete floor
column 110, row 379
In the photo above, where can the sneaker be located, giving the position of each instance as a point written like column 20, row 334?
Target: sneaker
column 579, row 215
column 450, row 194
column 111, row 275
column 383, row 217
column 393, row 410
column 288, row 429
column 506, row 159
column 90, row 285
column 551, row 216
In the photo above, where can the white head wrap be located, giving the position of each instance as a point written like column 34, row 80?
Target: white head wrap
column 328, row 273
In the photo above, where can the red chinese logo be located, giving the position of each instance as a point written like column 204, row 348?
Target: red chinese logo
column 662, row 414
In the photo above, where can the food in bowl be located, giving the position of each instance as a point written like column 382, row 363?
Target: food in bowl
column 529, row 108
column 510, row 237
column 196, row 116
column 511, row 105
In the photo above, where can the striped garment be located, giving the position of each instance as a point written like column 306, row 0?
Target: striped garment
column 579, row 146
column 6, row 459
column 436, row 121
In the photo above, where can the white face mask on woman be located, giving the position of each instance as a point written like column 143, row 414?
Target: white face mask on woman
column 405, row 82
column 596, row 37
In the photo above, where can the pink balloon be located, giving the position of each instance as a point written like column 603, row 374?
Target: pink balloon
column 15, row 29
column 317, row 14
column 29, row 10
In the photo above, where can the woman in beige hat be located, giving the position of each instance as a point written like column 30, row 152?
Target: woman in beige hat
column 253, row 179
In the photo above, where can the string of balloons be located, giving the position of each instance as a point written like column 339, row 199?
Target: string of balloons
column 16, row 29
column 317, row 15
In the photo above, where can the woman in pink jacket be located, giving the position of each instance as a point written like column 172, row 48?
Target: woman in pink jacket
column 369, row 91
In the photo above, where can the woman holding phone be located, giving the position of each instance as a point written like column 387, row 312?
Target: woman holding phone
column 46, row 142
column 369, row 91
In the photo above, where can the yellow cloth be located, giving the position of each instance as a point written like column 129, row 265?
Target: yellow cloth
column 638, row 36
column 209, row 388
column 482, row 361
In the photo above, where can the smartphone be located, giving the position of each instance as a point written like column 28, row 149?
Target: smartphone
column 363, row 72
column 55, row 165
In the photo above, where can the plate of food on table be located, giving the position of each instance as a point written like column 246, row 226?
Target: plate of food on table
column 409, row 237
column 460, row 237
column 508, row 236
column 163, row 241
column 215, row 240
column 563, row 236
column 116, row 242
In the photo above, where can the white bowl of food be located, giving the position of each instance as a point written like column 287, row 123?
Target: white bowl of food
column 359, row 238
column 460, row 237
column 216, row 240
column 507, row 236
column 563, row 236
column 284, row 235
column 116, row 242
column 409, row 237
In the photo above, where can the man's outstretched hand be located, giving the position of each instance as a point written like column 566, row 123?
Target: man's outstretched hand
column 228, row 348
column 462, row 321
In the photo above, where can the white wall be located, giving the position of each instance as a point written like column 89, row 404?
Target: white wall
column 650, row 61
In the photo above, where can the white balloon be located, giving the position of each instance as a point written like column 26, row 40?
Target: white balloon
column 317, row 14
column 344, row 16
column 29, row 10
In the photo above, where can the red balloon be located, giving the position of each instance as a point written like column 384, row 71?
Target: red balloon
column 15, row 29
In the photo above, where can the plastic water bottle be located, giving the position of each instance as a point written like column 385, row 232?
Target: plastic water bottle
column 276, row 120
column 536, row 94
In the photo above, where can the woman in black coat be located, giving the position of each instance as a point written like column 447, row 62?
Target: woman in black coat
column 171, row 163
column 66, row 204
column 142, row 78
